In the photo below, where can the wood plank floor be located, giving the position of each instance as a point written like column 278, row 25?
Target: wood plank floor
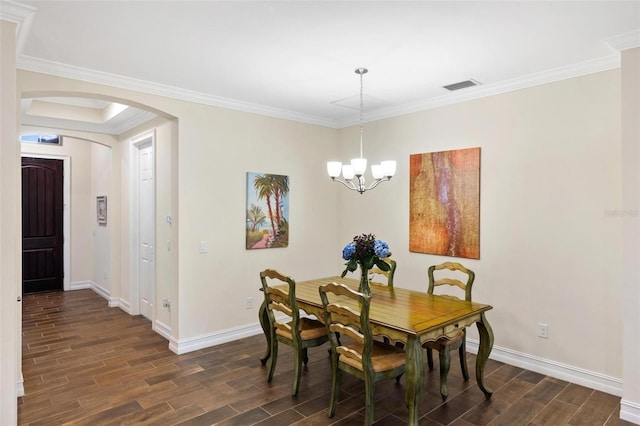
column 87, row 364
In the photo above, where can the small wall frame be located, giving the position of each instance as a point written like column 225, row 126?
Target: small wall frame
column 101, row 208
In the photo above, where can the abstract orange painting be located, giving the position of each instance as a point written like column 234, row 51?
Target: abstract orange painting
column 444, row 203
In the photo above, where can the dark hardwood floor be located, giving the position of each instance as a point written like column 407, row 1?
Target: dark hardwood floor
column 87, row 364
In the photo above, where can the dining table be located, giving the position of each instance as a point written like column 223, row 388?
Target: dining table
column 408, row 316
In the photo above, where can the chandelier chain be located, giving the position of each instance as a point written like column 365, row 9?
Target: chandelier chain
column 361, row 113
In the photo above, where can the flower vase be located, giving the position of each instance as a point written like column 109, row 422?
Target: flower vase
column 364, row 281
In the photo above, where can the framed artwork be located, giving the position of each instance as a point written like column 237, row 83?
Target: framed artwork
column 101, row 208
column 267, row 224
column 444, row 203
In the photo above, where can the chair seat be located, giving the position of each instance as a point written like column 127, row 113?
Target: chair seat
column 309, row 329
column 444, row 342
column 384, row 357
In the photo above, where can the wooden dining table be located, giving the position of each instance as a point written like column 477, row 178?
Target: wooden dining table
column 407, row 316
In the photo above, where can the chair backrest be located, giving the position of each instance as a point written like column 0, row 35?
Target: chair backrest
column 452, row 280
column 388, row 275
column 277, row 299
column 348, row 315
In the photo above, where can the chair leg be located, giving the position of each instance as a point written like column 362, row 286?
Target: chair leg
column 430, row 359
column 445, row 362
column 369, row 390
column 274, row 359
column 462, row 350
column 305, row 358
column 335, row 387
column 298, row 358
column 338, row 339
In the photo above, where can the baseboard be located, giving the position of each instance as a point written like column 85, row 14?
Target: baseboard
column 112, row 302
column 20, row 386
column 213, row 339
column 105, row 294
column 162, row 329
column 630, row 411
column 122, row 304
column 555, row 369
column 80, row 285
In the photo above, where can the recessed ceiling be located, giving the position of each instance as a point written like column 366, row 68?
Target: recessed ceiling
column 296, row 59
column 82, row 114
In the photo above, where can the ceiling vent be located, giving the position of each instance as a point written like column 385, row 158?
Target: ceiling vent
column 462, row 85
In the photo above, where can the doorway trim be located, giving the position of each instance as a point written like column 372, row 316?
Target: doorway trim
column 66, row 212
column 134, row 232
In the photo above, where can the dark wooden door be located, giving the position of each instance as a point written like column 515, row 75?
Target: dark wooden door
column 42, row 237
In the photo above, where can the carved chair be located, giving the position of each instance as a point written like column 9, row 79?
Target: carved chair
column 298, row 332
column 346, row 313
column 376, row 272
column 445, row 345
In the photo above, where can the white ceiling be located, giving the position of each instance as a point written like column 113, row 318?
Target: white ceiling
column 295, row 59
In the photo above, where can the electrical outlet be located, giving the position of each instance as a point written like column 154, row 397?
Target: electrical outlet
column 543, row 330
column 204, row 246
column 249, row 303
column 166, row 303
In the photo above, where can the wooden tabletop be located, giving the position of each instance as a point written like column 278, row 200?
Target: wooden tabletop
column 407, row 311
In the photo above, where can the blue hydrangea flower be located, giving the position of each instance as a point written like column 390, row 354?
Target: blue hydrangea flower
column 381, row 249
column 365, row 252
column 348, row 251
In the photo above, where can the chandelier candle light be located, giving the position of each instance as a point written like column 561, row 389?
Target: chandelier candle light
column 381, row 172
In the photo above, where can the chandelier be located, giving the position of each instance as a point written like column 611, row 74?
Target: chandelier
column 353, row 174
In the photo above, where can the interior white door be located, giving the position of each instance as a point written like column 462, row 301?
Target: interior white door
column 146, row 222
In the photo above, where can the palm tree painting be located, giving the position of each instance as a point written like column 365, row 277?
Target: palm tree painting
column 267, row 221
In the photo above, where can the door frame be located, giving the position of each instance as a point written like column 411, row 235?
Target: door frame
column 134, row 231
column 66, row 212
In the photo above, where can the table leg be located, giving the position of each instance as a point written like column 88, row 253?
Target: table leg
column 414, row 376
column 486, row 343
column 263, row 316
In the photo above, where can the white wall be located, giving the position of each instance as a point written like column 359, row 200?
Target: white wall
column 551, row 242
column 549, row 250
column 10, row 225
column 216, row 149
column 630, row 404
column 100, row 239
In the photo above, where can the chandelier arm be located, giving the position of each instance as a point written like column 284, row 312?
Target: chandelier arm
column 360, row 187
column 377, row 182
column 349, row 184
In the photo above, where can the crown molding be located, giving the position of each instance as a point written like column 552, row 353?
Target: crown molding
column 549, row 76
column 14, row 12
column 58, row 69
column 625, row 41
column 562, row 73
column 22, row 16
